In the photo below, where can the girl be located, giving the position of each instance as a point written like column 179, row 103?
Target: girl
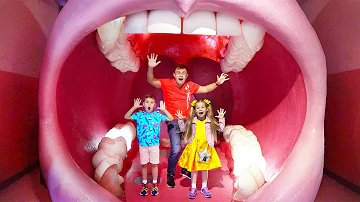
column 200, row 135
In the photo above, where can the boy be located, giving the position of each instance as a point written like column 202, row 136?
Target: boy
column 148, row 133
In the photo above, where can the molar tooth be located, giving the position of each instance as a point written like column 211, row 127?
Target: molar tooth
column 119, row 50
column 125, row 66
column 136, row 23
column 259, row 46
column 164, row 21
column 242, row 48
column 102, row 46
column 128, row 63
column 122, row 39
column 200, row 22
column 227, row 25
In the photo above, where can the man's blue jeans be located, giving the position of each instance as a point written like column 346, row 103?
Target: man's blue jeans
column 175, row 141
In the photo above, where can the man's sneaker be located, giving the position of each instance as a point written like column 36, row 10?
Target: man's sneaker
column 206, row 192
column 154, row 191
column 170, row 182
column 185, row 173
column 144, row 190
column 192, row 193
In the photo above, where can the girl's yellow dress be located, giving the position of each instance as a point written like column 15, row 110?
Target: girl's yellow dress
column 189, row 159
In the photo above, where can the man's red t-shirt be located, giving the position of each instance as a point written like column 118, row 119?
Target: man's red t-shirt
column 176, row 98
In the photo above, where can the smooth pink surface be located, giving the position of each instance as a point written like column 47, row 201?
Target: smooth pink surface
column 342, row 129
column 19, row 123
column 20, row 61
column 19, row 53
column 340, row 44
column 305, row 161
column 342, row 120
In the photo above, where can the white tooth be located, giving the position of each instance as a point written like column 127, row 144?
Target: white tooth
column 105, row 164
column 200, row 22
column 164, row 21
column 243, row 54
column 127, row 65
column 120, row 54
column 253, row 34
column 119, row 51
column 136, row 23
column 126, row 131
column 241, row 49
column 102, row 47
column 122, row 39
column 108, row 34
column 227, row 25
column 249, row 163
column 259, row 46
column 237, row 55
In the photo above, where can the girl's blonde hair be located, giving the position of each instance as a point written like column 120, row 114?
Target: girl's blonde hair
column 214, row 124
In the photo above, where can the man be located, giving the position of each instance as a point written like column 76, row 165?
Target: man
column 177, row 94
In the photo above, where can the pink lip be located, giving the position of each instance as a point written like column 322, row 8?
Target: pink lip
column 298, row 178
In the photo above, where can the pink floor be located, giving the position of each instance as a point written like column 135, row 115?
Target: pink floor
column 28, row 188
column 219, row 183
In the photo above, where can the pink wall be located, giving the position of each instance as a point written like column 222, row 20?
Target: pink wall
column 337, row 26
column 22, row 43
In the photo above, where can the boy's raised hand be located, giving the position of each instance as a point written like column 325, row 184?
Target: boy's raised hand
column 152, row 60
column 179, row 114
column 162, row 106
column 223, row 77
column 137, row 103
column 221, row 113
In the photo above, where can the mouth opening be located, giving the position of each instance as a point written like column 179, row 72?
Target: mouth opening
column 268, row 97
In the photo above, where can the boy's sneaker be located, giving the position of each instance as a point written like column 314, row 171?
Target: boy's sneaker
column 206, row 192
column 155, row 191
column 185, row 173
column 170, row 182
column 144, row 190
column 192, row 193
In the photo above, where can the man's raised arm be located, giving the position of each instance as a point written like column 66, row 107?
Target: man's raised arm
column 150, row 73
column 208, row 88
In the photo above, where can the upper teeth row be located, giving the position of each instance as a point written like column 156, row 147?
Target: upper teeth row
column 246, row 41
column 166, row 21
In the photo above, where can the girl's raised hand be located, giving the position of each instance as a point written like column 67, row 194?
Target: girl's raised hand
column 152, row 60
column 179, row 114
column 137, row 103
column 221, row 113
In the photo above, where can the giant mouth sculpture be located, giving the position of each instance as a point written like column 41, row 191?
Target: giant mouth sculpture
column 280, row 96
